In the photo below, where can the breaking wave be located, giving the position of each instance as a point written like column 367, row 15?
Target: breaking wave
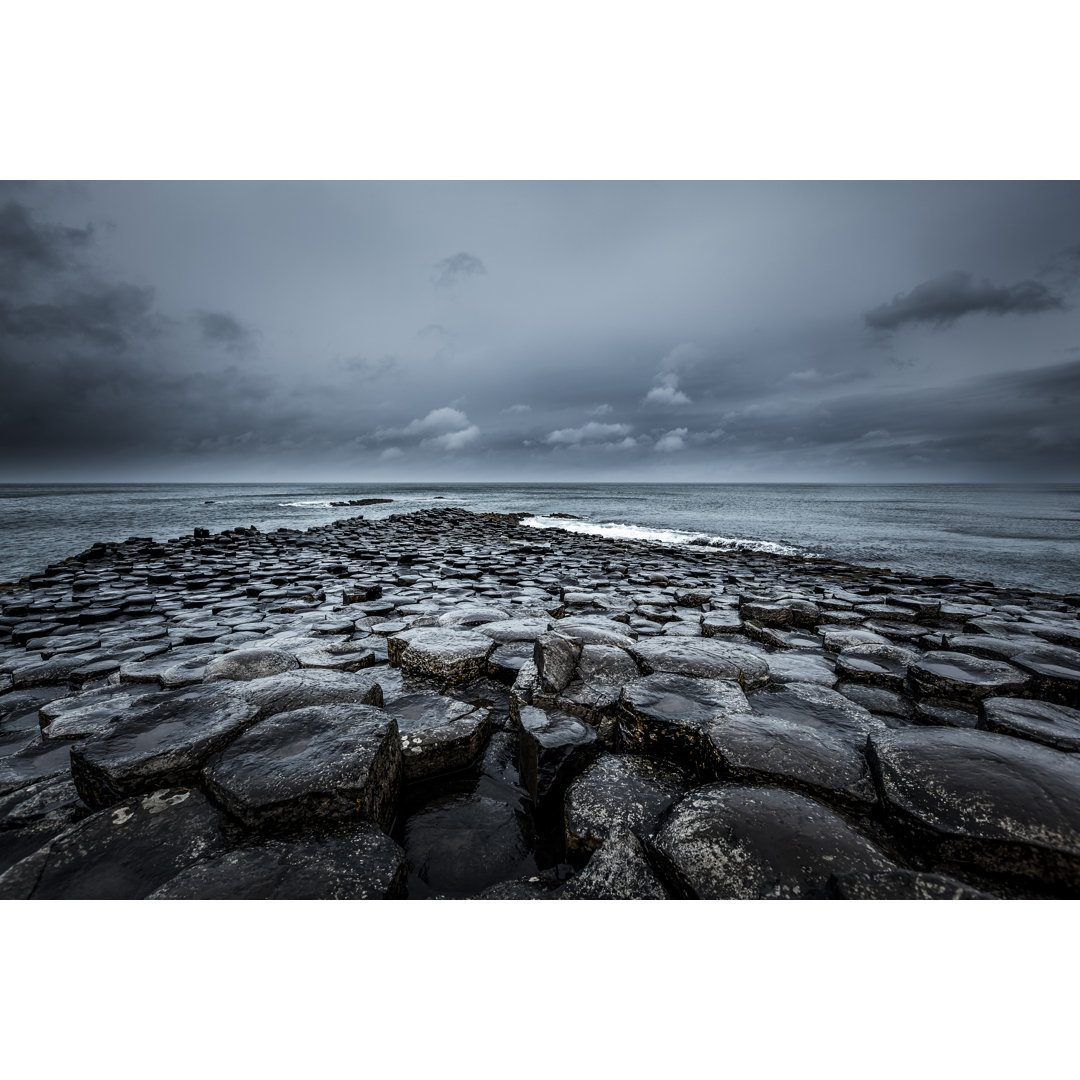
column 617, row 531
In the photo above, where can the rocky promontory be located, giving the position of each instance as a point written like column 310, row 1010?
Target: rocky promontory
column 453, row 705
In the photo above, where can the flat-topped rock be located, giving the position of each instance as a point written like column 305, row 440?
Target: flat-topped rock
column 735, row 842
column 450, row 656
column 90, row 712
column 360, row 864
column 160, row 742
column 308, row 687
column 1054, row 725
column 619, row 790
column 507, row 630
column 339, row 762
column 999, row 803
column 438, row 734
column 704, row 658
column 752, row 748
column 122, row 853
column 244, row 665
column 965, row 678
column 666, row 714
column 818, row 707
column 879, row 665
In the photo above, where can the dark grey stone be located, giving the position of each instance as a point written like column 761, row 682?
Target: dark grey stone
column 617, row 870
column 619, row 790
column 1002, row 804
column 161, row 741
column 1054, row 725
column 122, row 853
column 321, row 762
column 732, row 842
column 438, row 734
column 361, row 864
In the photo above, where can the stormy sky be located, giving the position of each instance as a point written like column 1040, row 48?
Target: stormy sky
column 540, row 331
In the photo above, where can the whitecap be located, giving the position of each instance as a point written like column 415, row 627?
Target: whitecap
column 620, row 531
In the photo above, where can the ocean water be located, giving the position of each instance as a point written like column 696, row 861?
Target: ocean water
column 1019, row 535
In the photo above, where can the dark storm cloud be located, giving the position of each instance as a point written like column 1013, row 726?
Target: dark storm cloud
column 221, row 329
column 632, row 331
column 942, row 300
column 28, row 246
column 456, row 268
column 97, row 314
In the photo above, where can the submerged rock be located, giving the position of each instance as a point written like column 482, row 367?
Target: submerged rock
column 459, row 845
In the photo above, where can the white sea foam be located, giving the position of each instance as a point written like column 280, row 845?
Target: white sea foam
column 310, row 502
column 619, row 531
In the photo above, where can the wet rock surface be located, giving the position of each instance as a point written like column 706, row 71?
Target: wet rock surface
column 446, row 704
column 363, row 864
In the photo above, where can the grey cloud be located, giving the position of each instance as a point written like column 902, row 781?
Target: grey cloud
column 457, row 268
column 224, row 330
column 942, row 300
column 28, row 246
column 108, row 372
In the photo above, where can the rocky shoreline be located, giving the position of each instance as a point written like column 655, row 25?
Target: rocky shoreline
column 450, row 705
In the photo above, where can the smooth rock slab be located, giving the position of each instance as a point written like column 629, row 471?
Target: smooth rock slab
column 123, row 853
column 788, row 667
column 363, row 864
column 732, row 842
column 964, row 678
column 161, row 742
column 451, row 656
column 666, row 714
column 1002, row 804
column 36, row 761
column 619, row 790
column 438, row 734
column 819, row 707
column 618, row 870
column 305, row 688
column 757, row 749
column 702, row 658
column 243, row 665
column 879, row 665
column 1053, row 725
column 89, row 713
column 322, row 762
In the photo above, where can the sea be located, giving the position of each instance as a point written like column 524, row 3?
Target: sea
column 1009, row 534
